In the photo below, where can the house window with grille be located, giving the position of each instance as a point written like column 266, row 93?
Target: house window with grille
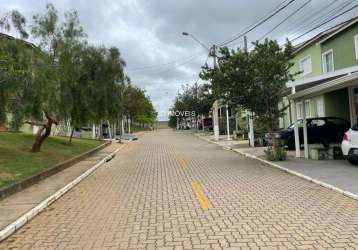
column 327, row 61
column 299, row 109
column 306, row 65
column 320, row 106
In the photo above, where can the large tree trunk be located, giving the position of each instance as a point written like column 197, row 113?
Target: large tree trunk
column 71, row 136
column 275, row 142
column 129, row 125
column 43, row 133
column 122, row 126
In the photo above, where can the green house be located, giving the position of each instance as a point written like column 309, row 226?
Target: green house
column 328, row 56
column 327, row 85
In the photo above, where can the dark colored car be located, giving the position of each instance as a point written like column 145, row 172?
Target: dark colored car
column 323, row 130
column 208, row 123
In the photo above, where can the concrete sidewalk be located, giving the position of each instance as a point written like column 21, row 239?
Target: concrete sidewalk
column 336, row 173
column 14, row 206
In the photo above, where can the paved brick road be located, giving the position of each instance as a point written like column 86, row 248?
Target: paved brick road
column 173, row 191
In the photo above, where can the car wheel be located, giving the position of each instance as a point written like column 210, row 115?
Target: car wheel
column 353, row 162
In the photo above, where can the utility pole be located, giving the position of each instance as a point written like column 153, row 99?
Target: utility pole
column 250, row 114
column 196, row 99
column 245, row 44
column 227, row 122
column 216, row 103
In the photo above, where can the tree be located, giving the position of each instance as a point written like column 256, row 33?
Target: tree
column 198, row 99
column 62, row 79
column 137, row 106
column 104, row 81
column 195, row 99
column 13, row 65
column 14, row 19
column 254, row 80
column 71, row 44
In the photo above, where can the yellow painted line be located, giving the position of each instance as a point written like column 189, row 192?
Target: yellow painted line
column 183, row 163
column 203, row 201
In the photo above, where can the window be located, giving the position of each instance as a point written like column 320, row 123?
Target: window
column 308, row 108
column 320, row 106
column 306, row 65
column 327, row 61
column 280, row 122
column 299, row 109
column 317, row 123
column 356, row 45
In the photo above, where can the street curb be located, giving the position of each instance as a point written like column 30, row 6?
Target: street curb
column 271, row 164
column 21, row 221
column 31, row 180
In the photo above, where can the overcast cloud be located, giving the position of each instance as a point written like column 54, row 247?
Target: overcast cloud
column 148, row 32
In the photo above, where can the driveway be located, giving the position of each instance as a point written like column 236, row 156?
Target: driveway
column 171, row 190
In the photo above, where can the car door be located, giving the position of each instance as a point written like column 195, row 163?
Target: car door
column 317, row 131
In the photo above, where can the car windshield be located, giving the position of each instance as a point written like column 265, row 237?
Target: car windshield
column 300, row 124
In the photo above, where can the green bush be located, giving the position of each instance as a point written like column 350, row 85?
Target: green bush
column 279, row 155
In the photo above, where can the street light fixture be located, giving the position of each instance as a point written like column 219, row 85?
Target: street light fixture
column 196, row 40
column 212, row 52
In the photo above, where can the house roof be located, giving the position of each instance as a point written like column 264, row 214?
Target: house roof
column 325, row 35
column 8, row 37
column 310, row 84
column 327, row 86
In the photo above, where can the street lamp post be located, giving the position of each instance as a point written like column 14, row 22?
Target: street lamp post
column 212, row 51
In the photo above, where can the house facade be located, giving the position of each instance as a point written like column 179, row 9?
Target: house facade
column 327, row 85
column 326, row 57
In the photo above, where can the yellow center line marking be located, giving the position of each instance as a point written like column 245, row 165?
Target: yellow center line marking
column 183, row 163
column 204, row 202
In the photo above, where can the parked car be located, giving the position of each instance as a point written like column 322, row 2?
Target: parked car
column 208, row 124
column 323, row 130
column 127, row 137
column 350, row 144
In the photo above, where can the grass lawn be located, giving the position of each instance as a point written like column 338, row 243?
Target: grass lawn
column 17, row 162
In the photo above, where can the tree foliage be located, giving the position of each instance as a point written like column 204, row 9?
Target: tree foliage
column 198, row 99
column 62, row 78
column 253, row 80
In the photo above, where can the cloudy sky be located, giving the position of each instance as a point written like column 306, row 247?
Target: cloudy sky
column 148, row 32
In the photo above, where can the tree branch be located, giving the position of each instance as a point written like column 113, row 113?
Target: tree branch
column 35, row 123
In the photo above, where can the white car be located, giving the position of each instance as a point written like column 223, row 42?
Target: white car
column 350, row 145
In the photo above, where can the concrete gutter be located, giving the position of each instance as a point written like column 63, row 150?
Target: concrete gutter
column 21, row 221
column 274, row 165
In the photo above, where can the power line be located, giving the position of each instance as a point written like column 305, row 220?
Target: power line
column 284, row 20
column 258, row 24
column 323, row 17
column 248, row 27
column 161, row 64
column 308, row 17
column 325, row 22
column 178, row 65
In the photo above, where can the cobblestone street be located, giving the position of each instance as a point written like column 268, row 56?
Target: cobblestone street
column 171, row 190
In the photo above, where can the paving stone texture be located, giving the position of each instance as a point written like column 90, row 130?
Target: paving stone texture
column 151, row 196
column 16, row 205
